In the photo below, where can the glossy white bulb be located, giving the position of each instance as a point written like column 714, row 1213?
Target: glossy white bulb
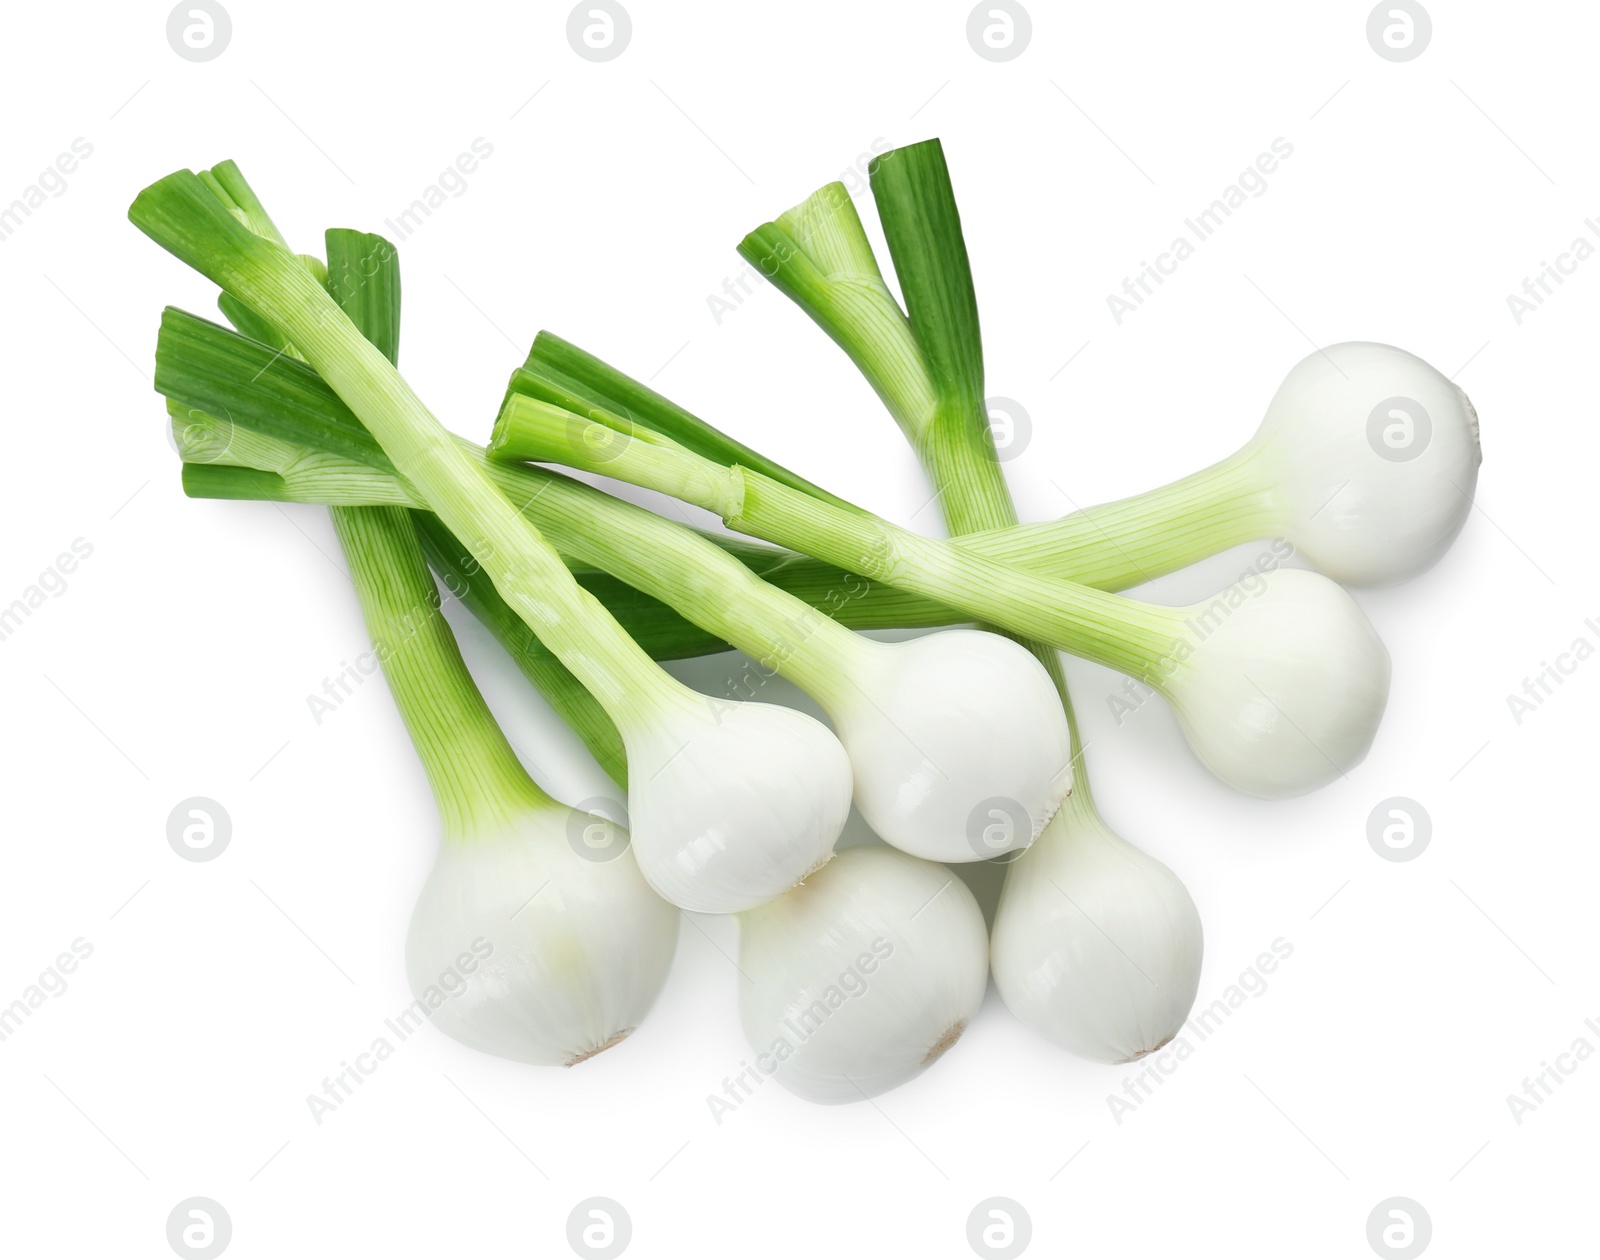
column 864, row 975
column 1282, row 684
column 1096, row 945
column 524, row 946
column 1372, row 455
column 957, row 738
column 732, row 803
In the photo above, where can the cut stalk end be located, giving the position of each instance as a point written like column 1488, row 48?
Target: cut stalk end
column 184, row 216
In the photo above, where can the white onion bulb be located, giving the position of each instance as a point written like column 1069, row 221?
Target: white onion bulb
column 732, row 803
column 1370, row 456
column 522, row 947
column 863, row 976
column 1096, row 945
column 942, row 728
column 1283, row 684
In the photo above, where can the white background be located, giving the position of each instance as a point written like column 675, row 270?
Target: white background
column 178, row 660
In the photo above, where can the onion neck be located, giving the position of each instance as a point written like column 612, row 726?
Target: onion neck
column 1121, row 544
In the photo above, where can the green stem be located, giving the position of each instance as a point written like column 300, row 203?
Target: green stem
column 1117, row 545
column 917, row 207
column 227, row 481
column 477, row 780
column 364, row 279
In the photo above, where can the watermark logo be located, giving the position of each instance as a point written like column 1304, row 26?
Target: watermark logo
column 1399, row 430
column 199, row 1229
column 599, row 30
column 199, row 30
column 199, row 438
column 597, row 829
column 1399, row 829
column 999, row 30
column 1399, row 1229
column 999, row 1228
column 599, row 1229
column 594, row 441
column 1000, row 829
column 1009, row 426
column 1399, row 30
column 198, row 829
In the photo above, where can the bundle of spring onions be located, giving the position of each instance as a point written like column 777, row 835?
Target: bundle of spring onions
column 959, row 745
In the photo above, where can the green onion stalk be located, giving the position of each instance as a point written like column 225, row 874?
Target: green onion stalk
column 535, row 937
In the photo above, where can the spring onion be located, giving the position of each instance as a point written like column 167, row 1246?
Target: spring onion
column 513, row 947
column 522, row 943
column 731, row 804
column 1386, row 518
column 1366, row 460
